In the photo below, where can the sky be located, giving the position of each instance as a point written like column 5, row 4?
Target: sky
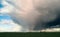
column 6, row 23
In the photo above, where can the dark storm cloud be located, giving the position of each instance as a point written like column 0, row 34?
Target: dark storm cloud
column 41, row 13
column 50, row 14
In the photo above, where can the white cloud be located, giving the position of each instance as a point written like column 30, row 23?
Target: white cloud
column 7, row 7
column 9, row 26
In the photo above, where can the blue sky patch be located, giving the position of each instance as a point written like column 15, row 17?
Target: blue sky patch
column 5, row 16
